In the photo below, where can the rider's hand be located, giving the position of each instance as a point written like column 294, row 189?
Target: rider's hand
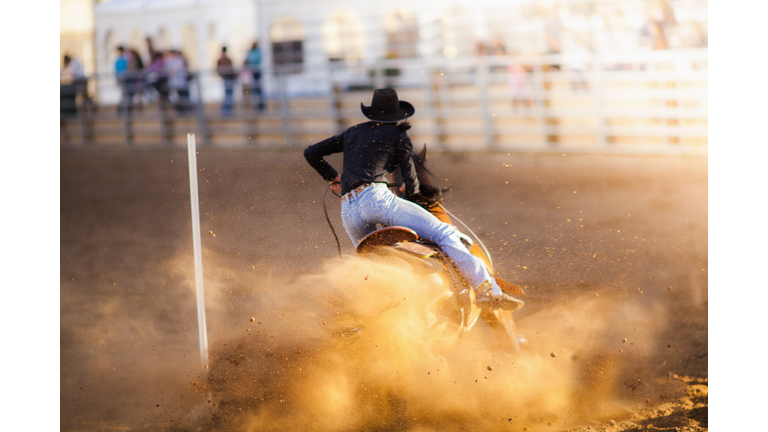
column 336, row 184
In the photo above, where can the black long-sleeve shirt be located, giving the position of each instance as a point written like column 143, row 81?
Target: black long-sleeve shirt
column 372, row 151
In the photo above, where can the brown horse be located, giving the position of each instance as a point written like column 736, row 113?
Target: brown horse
column 456, row 307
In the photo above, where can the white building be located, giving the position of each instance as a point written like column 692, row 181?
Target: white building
column 309, row 44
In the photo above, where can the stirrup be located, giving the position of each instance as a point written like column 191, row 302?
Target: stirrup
column 485, row 299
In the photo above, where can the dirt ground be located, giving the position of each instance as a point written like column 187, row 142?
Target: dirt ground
column 611, row 251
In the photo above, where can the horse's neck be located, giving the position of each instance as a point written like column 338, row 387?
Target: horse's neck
column 438, row 211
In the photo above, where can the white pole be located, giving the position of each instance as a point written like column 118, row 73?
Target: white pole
column 197, row 245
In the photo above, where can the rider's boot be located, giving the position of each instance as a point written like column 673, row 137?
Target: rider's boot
column 485, row 299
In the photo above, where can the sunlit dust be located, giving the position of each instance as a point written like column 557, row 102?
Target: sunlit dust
column 351, row 348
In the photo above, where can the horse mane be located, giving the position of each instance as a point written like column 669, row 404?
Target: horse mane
column 430, row 193
column 428, row 189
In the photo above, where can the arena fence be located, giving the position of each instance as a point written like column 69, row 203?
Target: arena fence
column 642, row 102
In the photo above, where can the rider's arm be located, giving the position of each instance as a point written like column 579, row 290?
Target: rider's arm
column 316, row 152
column 407, row 167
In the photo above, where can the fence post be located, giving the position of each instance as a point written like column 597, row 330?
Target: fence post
column 378, row 75
column 127, row 104
column 245, row 113
column 443, row 98
column 83, row 111
column 597, row 91
column 286, row 111
column 539, row 86
column 682, row 66
column 201, row 121
column 485, row 112
column 166, row 124
column 336, row 106
column 429, row 102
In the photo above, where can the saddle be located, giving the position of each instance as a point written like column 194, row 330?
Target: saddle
column 404, row 239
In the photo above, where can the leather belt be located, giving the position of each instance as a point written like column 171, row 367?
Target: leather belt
column 356, row 191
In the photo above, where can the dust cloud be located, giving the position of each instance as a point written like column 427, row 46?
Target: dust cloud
column 621, row 301
column 350, row 348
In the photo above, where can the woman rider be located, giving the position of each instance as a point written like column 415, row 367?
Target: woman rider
column 372, row 151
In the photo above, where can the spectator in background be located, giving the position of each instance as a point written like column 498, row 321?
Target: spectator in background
column 136, row 62
column 136, row 74
column 121, row 63
column 70, row 78
column 577, row 60
column 121, row 70
column 661, row 18
column 553, row 35
column 657, row 34
column 253, row 64
column 622, row 36
column 519, row 86
column 155, row 75
column 497, row 48
column 72, row 70
column 481, row 49
column 227, row 73
column 175, row 68
column 693, row 36
column 662, row 14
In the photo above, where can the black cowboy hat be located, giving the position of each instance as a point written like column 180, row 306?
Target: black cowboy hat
column 386, row 107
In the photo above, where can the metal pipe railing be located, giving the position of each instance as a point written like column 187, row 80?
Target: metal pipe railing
column 467, row 102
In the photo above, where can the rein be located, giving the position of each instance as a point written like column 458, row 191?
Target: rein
column 325, row 209
column 328, row 219
column 480, row 242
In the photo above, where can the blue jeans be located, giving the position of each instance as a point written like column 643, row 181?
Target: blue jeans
column 377, row 204
column 229, row 90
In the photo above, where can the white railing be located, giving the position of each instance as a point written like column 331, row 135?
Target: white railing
column 653, row 101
